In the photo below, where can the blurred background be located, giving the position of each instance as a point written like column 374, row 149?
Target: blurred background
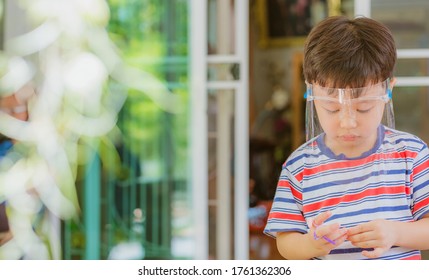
column 172, row 119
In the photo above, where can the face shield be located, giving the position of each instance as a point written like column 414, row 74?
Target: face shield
column 348, row 105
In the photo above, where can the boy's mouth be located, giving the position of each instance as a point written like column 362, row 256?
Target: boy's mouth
column 348, row 137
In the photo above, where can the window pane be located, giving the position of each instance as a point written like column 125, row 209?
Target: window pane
column 411, row 110
column 407, row 20
column 145, row 196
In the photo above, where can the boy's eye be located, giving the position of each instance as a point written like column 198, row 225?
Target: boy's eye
column 365, row 106
column 330, row 106
column 333, row 107
column 332, row 111
column 364, row 111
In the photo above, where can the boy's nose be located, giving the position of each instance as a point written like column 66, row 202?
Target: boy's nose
column 348, row 122
column 348, row 117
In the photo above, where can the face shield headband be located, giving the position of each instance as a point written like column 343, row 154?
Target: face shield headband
column 347, row 104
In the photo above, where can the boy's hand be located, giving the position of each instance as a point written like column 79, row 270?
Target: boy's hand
column 326, row 237
column 377, row 234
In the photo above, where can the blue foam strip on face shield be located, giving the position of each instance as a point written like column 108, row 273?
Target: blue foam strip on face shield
column 305, row 94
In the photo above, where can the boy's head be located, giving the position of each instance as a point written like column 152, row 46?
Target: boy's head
column 342, row 52
column 348, row 67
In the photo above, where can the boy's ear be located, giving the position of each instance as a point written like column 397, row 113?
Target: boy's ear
column 392, row 82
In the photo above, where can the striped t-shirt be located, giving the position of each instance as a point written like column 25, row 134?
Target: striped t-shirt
column 389, row 182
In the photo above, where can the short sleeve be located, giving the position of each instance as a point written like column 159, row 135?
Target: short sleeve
column 286, row 211
column 420, row 184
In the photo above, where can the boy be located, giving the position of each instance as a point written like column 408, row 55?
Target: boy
column 358, row 188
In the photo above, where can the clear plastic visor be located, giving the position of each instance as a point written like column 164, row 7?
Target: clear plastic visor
column 349, row 96
column 347, row 103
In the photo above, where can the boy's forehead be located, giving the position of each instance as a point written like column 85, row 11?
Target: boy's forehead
column 335, row 84
column 370, row 90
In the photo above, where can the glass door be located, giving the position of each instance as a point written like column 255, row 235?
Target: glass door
column 136, row 196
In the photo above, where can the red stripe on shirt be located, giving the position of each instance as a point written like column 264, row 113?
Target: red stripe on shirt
column 355, row 197
column 421, row 204
column 286, row 184
column 299, row 176
column 415, row 257
column 421, row 167
column 350, row 164
column 286, row 216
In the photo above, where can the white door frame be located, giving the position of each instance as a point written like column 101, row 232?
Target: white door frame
column 199, row 149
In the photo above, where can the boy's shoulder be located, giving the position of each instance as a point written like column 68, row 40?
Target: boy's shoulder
column 307, row 149
column 395, row 136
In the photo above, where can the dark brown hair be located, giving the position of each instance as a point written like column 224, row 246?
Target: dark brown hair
column 349, row 52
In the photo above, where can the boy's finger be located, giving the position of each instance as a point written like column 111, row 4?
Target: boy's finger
column 341, row 238
column 357, row 229
column 326, row 230
column 321, row 218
